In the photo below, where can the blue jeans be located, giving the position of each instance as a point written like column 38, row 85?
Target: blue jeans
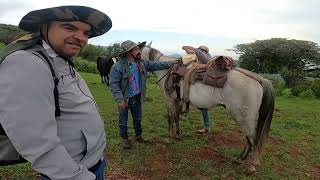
column 206, row 120
column 99, row 172
column 134, row 105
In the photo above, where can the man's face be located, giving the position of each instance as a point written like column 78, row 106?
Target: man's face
column 204, row 51
column 136, row 53
column 68, row 38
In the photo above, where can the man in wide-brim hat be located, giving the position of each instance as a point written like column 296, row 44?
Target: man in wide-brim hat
column 128, row 86
column 50, row 115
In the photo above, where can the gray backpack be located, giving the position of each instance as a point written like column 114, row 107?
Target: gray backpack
column 8, row 154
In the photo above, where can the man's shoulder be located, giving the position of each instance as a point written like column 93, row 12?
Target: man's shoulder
column 198, row 51
column 118, row 65
column 24, row 59
column 21, row 54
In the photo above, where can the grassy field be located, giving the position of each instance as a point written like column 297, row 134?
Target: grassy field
column 292, row 151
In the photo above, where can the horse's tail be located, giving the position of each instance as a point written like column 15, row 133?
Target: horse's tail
column 265, row 115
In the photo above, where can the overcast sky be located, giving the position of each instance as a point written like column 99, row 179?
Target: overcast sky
column 171, row 24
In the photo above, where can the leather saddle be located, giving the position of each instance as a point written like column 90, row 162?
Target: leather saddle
column 213, row 74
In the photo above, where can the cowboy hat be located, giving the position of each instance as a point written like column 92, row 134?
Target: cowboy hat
column 128, row 45
column 204, row 48
column 100, row 22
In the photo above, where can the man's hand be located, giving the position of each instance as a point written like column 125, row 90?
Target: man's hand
column 122, row 104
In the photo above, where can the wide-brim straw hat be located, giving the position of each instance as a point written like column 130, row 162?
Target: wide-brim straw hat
column 100, row 23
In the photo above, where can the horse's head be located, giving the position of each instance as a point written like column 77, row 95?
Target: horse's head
column 150, row 53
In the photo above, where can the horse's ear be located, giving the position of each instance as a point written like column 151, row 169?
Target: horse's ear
column 149, row 45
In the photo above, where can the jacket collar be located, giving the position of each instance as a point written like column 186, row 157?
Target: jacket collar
column 49, row 50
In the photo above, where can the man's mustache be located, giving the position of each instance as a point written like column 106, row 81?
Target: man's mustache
column 75, row 42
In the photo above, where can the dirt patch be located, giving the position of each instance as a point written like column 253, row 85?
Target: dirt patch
column 314, row 173
column 120, row 175
column 208, row 154
column 158, row 167
column 274, row 141
column 231, row 139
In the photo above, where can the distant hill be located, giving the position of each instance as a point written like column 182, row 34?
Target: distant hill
column 175, row 55
column 9, row 33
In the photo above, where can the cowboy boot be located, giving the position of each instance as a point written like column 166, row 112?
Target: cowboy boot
column 126, row 144
column 140, row 139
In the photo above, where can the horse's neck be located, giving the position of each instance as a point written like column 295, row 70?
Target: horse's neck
column 162, row 73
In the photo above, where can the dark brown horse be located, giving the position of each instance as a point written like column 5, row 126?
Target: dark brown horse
column 104, row 65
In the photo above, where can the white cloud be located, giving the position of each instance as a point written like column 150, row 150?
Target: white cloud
column 245, row 19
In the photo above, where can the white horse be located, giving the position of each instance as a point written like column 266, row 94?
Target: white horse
column 247, row 97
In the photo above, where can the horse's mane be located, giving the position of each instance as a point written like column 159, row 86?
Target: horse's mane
column 155, row 55
column 251, row 74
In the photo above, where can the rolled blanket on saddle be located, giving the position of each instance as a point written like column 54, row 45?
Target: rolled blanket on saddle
column 217, row 70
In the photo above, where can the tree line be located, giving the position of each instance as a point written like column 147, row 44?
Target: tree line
column 9, row 33
column 294, row 60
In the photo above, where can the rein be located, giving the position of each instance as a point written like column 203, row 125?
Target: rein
column 168, row 71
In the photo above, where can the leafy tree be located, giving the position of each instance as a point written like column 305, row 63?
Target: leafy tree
column 279, row 55
column 9, row 33
column 2, row 45
column 91, row 52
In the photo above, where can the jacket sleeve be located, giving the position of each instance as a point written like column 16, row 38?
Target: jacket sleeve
column 115, row 82
column 156, row 66
column 27, row 114
column 203, row 57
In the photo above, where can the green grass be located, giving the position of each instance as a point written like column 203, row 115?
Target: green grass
column 2, row 45
column 292, row 151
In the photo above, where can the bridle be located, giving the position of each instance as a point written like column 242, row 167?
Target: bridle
column 152, row 54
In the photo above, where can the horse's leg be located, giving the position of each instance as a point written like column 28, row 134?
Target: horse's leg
column 246, row 150
column 107, row 75
column 176, row 119
column 104, row 78
column 247, row 122
column 101, row 76
column 170, row 125
column 172, row 116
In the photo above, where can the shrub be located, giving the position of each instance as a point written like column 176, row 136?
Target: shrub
column 315, row 87
column 274, row 77
column 287, row 93
column 85, row 66
column 278, row 87
column 292, row 77
column 307, row 94
column 300, row 87
column 2, row 45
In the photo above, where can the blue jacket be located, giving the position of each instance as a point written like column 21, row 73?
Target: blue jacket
column 119, row 77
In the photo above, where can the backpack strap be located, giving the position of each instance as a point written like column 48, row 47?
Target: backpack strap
column 24, row 42
column 55, row 79
column 27, row 42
